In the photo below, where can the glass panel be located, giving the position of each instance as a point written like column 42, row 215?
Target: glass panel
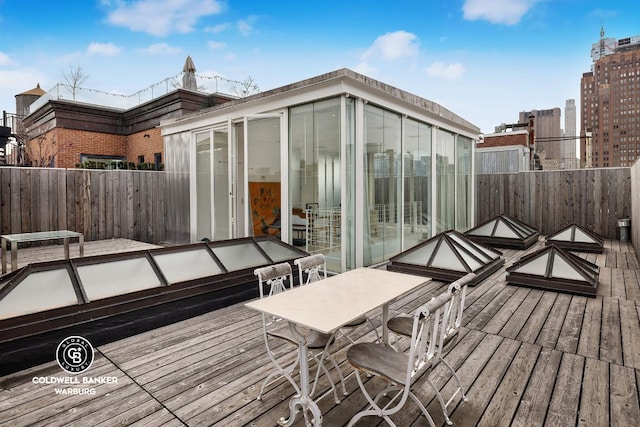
column 565, row 235
column 475, row 250
column 537, row 267
column 520, row 228
column 314, row 176
column 419, row 256
column 582, row 237
column 40, row 291
column 238, row 182
column 471, row 262
column 563, row 270
column 278, row 252
column 463, row 183
column 203, row 186
column 382, row 183
column 221, row 184
column 446, row 258
column 418, row 178
column 239, row 256
column 117, row 277
column 445, row 181
column 186, row 265
column 502, row 230
column 483, row 230
column 348, row 240
column 263, row 159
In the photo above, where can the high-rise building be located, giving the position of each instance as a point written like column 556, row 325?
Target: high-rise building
column 568, row 158
column 610, row 104
column 547, row 134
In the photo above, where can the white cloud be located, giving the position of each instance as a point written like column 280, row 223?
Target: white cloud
column 217, row 29
column 394, row 45
column 448, row 71
column 108, row 49
column 161, row 48
column 245, row 26
column 5, row 60
column 365, row 68
column 216, row 45
column 162, row 17
column 507, row 12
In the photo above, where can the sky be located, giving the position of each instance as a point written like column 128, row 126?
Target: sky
column 485, row 60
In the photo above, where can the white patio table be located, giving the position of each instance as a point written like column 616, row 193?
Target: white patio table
column 327, row 305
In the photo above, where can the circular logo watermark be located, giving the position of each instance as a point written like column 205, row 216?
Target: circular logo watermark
column 74, row 354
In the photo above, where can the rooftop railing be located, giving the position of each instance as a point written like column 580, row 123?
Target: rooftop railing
column 198, row 83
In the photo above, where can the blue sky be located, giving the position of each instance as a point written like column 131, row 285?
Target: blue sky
column 485, row 60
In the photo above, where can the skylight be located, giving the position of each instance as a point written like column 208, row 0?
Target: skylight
column 504, row 232
column 448, row 257
column 553, row 268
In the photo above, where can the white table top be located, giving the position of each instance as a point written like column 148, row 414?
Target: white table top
column 331, row 303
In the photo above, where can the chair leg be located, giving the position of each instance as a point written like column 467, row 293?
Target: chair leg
column 455, row 375
column 423, row 409
column 441, row 400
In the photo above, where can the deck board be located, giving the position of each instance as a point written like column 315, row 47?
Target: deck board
column 526, row 357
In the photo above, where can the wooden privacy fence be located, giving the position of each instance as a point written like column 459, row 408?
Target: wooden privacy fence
column 101, row 204
column 104, row 204
column 550, row 200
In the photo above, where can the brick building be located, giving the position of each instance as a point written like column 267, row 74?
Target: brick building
column 610, row 104
column 65, row 133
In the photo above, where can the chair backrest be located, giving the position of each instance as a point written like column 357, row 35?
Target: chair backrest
column 274, row 277
column 313, row 267
column 452, row 317
column 427, row 337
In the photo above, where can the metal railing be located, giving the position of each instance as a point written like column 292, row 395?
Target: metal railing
column 204, row 84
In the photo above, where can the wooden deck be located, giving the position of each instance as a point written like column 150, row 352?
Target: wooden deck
column 526, row 357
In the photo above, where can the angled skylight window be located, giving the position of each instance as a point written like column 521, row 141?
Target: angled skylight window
column 504, row 232
column 576, row 238
column 278, row 251
column 239, row 255
column 107, row 286
column 117, row 276
column 179, row 265
column 39, row 291
column 553, row 268
column 448, row 257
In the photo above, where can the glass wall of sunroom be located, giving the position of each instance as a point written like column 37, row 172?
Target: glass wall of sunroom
column 400, row 171
column 361, row 183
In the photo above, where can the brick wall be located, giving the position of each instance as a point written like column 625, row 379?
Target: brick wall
column 139, row 145
column 70, row 144
column 504, row 140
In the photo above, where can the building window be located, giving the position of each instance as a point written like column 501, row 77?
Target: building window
column 157, row 160
column 140, row 159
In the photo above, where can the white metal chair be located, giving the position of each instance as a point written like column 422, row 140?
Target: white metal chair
column 313, row 268
column 452, row 320
column 275, row 278
column 402, row 370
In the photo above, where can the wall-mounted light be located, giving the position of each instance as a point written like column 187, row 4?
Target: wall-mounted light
column 146, row 135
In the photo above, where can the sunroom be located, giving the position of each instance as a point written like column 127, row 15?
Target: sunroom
column 339, row 164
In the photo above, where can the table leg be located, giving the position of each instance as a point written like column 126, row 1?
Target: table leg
column 81, row 244
column 303, row 399
column 3, row 242
column 14, row 256
column 66, row 247
column 385, row 319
